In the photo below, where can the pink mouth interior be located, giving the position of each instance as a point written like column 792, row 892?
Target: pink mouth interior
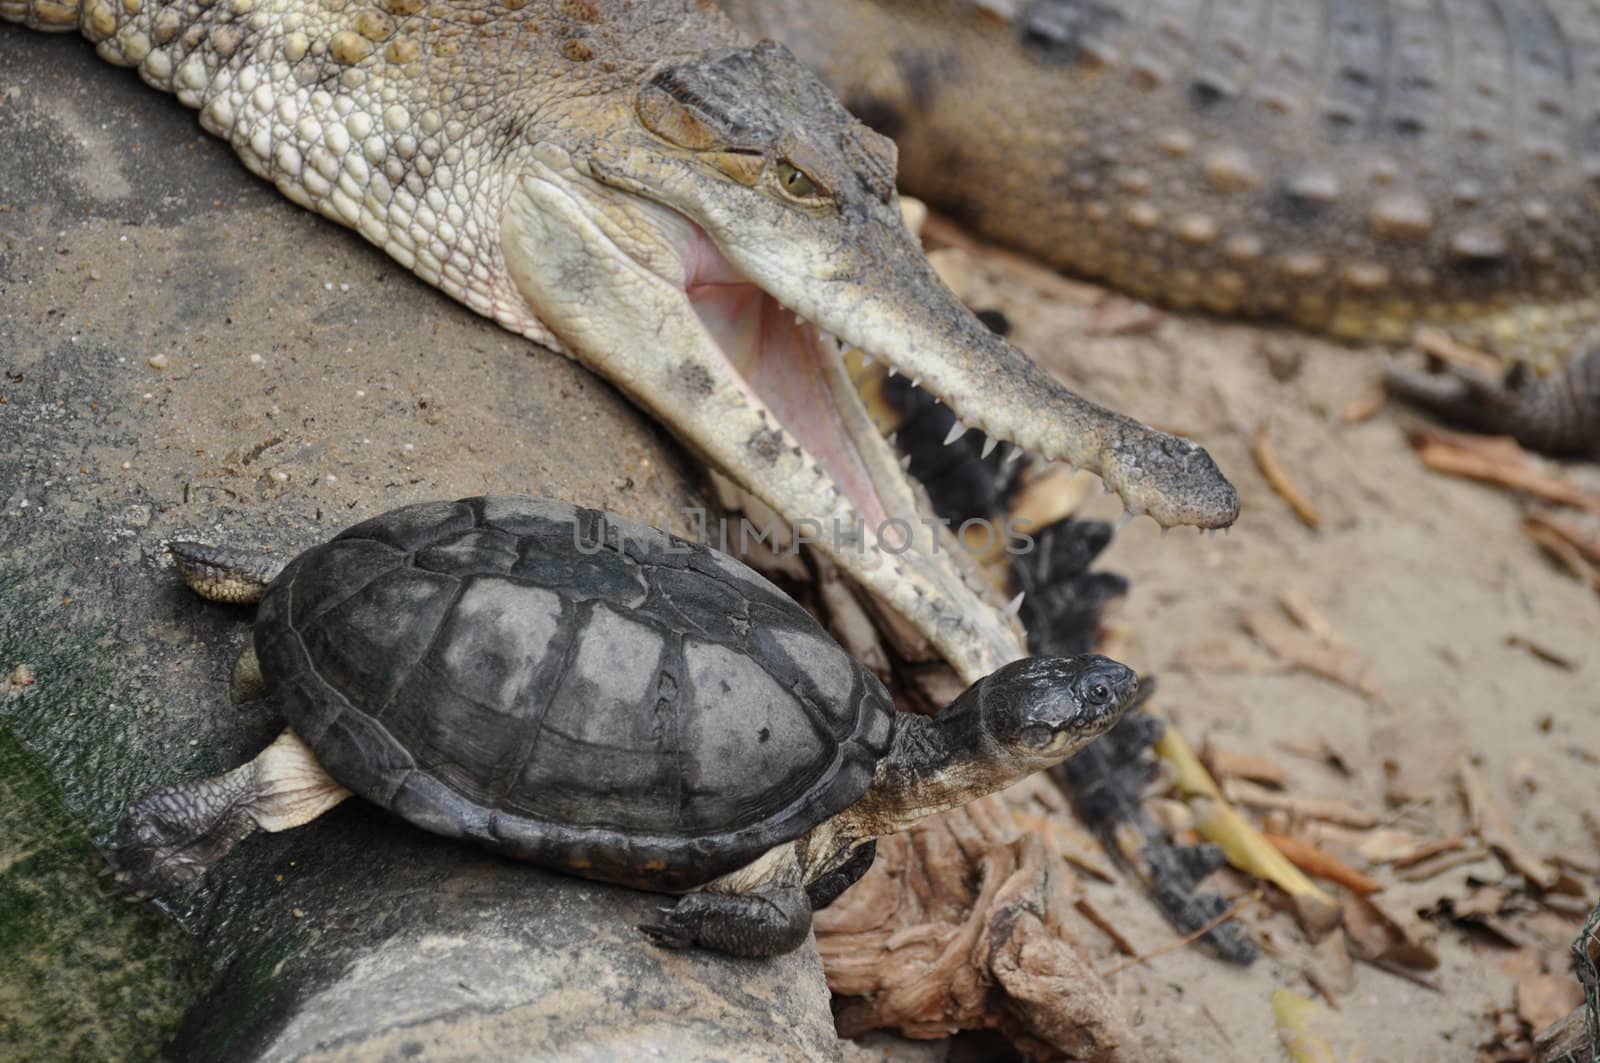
column 787, row 365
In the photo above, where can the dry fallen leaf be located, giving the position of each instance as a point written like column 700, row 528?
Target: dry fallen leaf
column 1224, row 762
column 1312, row 1033
column 1320, row 864
column 1545, row 999
column 1305, row 650
column 1493, row 825
column 1378, row 932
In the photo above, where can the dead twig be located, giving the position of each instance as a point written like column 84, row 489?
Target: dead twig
column 1329, row 811
column 1441, row 345
column 1267, row 461
column 1333, row 661
column 1364, row 406
column 1422, row 852
column 1493, row 825
column 1423, row 870
column 1497, row 460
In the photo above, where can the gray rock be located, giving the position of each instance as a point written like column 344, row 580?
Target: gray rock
column 185, row 354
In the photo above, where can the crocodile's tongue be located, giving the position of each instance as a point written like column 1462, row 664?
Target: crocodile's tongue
column 796, row 370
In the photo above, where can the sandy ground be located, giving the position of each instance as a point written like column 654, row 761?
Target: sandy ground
column 1425, row 576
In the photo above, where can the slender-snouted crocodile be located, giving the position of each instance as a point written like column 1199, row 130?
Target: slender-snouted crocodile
column 631, row 183
column 1357, row 168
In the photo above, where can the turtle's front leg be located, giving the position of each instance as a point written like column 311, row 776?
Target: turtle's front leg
column 172, row 835
column 763, row 922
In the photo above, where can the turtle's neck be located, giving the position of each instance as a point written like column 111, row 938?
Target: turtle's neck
column 935, row 763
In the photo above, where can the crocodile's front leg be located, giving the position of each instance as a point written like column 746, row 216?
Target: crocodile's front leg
column 1558, row 413
column 625, row 182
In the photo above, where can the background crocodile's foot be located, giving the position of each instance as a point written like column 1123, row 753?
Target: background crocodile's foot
column 1558, row 413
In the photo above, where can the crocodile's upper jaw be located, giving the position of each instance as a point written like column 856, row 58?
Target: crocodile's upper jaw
column 670, row 256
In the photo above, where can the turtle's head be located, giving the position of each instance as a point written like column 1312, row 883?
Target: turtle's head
column 1025, row 717
column 1041, row 710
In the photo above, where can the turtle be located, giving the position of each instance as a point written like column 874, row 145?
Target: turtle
column 571, row 688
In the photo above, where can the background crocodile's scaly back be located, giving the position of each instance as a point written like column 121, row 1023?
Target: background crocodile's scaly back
column 1356, row 167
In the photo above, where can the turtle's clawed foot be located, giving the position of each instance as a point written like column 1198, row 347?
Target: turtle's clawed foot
column 170, row 836
column 670, row 933
column 766, row 923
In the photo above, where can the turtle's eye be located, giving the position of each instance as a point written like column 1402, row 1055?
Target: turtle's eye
column 1099, row 694
column 797, row 183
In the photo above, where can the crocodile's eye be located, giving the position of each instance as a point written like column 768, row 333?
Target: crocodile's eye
column 797, row 182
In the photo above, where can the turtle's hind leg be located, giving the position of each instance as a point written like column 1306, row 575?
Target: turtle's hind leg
column 763, row 922
column 222, row 574
column 172, row 835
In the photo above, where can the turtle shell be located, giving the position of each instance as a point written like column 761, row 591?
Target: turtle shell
column 569, row 687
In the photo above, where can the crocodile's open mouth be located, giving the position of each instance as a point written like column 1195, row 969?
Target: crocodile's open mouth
column 796, row 369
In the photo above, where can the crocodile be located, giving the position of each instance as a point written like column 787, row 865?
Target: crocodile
column 695, row 217
column 1355, row 167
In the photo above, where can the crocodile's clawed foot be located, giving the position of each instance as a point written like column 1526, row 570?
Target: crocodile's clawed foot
column 1558, row 413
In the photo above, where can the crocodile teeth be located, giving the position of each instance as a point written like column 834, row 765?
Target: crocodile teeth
column 916, row 381
column 867, row 360
column 1124, row 520
column 893, row 372
column 1013, row 455
column 989, row 443
column 957, row 430
column 905, row 463
column 1014, row 606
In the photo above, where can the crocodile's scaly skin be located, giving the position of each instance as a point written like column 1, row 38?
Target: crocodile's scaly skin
column 1355, row 166
column 583, row 171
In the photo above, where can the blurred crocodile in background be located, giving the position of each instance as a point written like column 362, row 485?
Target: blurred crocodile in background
column 695, row 218
column 1357, row 167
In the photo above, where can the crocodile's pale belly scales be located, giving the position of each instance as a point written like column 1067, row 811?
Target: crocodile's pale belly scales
column 1358, row 166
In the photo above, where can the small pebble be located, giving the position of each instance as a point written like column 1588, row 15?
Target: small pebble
column 280, row 476
column 299, row 913
column 127, row 465
column 255, row 359
column 21, row 676
column 331, row 478
column 158, row 361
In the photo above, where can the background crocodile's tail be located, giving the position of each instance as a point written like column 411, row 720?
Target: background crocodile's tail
column 47, row 16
